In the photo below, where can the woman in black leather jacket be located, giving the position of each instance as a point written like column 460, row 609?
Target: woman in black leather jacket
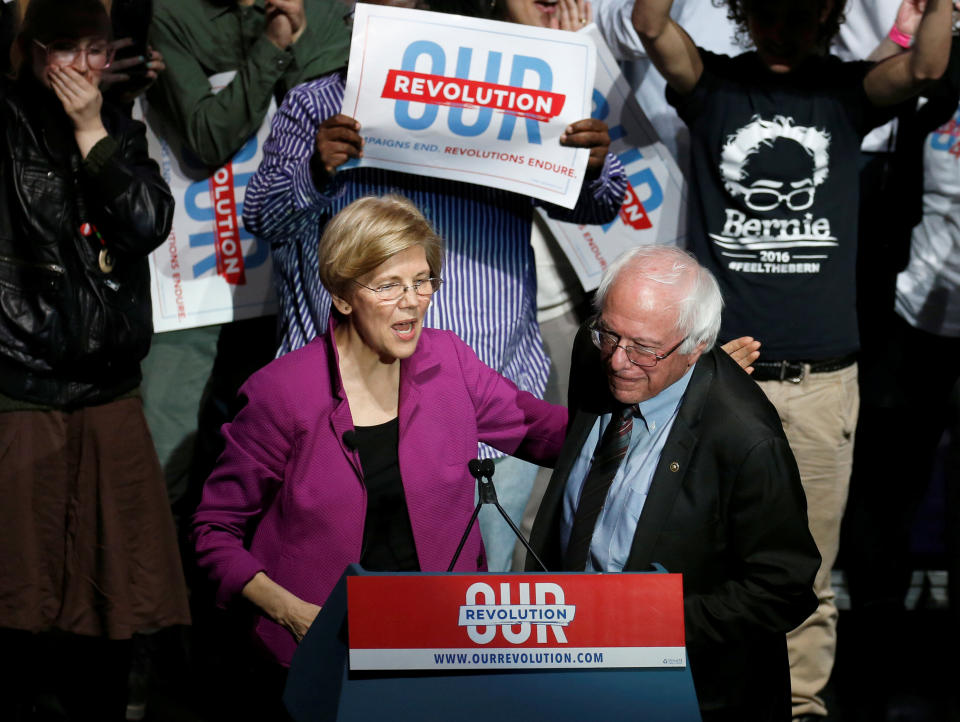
column 87, row 546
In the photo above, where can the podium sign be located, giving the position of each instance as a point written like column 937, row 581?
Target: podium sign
column 418, row 614
column 515, row 621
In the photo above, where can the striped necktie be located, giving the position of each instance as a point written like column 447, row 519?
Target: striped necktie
column 606, row 460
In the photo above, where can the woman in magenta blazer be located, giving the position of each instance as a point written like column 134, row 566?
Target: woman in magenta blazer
column 355, row 447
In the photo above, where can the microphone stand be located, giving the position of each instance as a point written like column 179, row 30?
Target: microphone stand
column 482, row 471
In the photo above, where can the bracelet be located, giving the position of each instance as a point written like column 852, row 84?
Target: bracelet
column 899, row 37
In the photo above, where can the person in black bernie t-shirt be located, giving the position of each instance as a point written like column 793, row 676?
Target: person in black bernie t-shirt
column 775, row 138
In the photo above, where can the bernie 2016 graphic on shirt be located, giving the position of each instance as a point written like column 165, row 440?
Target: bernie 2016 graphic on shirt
column 772, row 170
column 477, row 101
column 544, row 621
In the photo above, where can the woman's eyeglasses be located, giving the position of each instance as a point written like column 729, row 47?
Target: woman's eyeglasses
column 65, row 52
column 393, row 291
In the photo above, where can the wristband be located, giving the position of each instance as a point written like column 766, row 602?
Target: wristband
column 900, row 38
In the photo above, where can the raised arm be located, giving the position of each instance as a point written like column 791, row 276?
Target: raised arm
column 121, row 184
column 214, row 125
column 903, row 76
column 667, row 44
column 904, row 28
column 289, row 50
column 124, row 185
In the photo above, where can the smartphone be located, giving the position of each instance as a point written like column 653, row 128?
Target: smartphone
column 131, row 19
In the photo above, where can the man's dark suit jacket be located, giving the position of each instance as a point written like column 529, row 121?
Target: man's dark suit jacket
column 725, row 509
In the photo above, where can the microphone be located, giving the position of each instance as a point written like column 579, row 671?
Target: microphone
column 487, row 467
column 482, row 471
column 350, row 439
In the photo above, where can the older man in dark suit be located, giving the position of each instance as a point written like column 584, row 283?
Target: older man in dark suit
column 674, row 455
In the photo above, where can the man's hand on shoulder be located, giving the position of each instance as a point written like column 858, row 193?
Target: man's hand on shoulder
column 286, row 21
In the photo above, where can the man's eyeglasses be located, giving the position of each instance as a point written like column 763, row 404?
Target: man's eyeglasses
column 65, row 52
column 393, row 291
column 637, row 355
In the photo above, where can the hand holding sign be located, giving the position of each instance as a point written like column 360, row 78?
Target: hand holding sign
column 338, row 140
column 589, row 133
column 472, row 100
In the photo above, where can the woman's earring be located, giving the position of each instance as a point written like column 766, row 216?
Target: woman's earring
column 341, row 305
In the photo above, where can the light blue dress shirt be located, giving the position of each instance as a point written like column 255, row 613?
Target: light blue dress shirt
column 613, row 534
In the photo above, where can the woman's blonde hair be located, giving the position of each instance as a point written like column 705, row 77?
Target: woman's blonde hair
column 368, row 232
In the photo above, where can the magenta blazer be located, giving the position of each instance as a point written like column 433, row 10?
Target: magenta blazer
column 287, row 476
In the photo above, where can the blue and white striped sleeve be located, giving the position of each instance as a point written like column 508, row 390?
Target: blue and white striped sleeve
column 281, row 196
column 600, row 199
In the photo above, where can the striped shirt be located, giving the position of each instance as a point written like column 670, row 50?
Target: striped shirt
column 489, row 294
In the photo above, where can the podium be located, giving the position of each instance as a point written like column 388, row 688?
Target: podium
column 452, row 646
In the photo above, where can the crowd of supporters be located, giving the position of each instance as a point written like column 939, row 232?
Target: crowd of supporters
column 127, row 511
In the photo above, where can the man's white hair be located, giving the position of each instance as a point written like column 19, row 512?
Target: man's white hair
column 698, row 311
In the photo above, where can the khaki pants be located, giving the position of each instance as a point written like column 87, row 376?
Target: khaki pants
column 819, row 416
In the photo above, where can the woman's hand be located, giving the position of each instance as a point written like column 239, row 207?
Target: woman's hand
column 299, row 618
column 589, row 133
column 744, row 351
column 338, row 139
column 283, row 607
column 82, row 102
column 572, row 15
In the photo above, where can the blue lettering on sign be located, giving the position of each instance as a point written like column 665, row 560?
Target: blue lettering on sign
column 601, row 109
column 638, row 179
column 484, row 115
column 941, row 141
column 259, row 251
column 945, row 137
column 522, row 64
column 643, row 177
column 401, row 108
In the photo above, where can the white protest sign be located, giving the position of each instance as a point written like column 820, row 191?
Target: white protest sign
column 654, row 208
column 477, row 101
column 209, row 270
